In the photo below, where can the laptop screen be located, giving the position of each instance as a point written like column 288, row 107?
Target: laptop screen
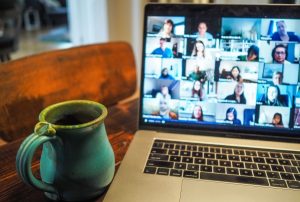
column 222, row 67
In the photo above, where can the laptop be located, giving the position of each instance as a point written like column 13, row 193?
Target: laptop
column 219, row 115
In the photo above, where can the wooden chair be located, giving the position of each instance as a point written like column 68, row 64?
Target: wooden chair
column 102, row 72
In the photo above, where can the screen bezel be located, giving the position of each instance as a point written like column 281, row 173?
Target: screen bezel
column 247, row 11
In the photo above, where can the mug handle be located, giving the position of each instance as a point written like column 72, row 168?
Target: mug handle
column 43, row 132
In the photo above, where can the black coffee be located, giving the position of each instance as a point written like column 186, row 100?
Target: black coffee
column 75, row 119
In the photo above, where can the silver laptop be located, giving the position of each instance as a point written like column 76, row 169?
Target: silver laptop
column 219, row 112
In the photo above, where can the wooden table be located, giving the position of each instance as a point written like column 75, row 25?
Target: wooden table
column 121, row 124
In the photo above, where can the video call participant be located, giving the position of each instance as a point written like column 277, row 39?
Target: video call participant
column 176, row 53
column 202, row 32
column 165, row 74
column 235, row 74
column 277, row 120
column 164, row 93
column 238, row 94
column 197, row 113
column 197, row 90
column 164, row 110
column 167, row 30
column 162, row 50
column 277, row 78
column 297, row 117
column 252, row 55
column 280, row 54
column 199, row 50
column 273, row 97
column 198, row 75
column 231, row 116
column 282, row 34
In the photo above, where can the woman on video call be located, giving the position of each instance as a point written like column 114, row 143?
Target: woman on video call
column 273, row 97
column 197, row 113
column 231, row 116
column 238, row 94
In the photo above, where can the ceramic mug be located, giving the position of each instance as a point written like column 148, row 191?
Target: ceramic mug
column 77, row 161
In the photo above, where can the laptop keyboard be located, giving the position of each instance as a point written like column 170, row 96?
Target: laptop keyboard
column 276, row 168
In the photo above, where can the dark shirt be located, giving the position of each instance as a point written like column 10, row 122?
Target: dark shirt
column 292, row 36
column 235, row 121
column 276, row 103
column 232, row 97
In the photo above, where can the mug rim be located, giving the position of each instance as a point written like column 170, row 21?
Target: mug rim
column 99, row 119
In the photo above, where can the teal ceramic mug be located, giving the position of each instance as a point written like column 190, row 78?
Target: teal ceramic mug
column 77, row 161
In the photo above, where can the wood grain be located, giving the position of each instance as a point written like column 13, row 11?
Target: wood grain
column 121, row 124
column 103, row 72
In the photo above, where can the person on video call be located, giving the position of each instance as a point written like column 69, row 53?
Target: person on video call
column 165, row 110
column 202, row 32
column 231, row 116
column 277, row 120
column 280, row 54
column 176, row 53
column 165, row 74
column 197, row 113
column 238, row 94
column 197, row 90
column 297, row 117
column 199, row 50
column 164, row 93
column 272, row 97
column 282, row 34
column 252, row 54
column 162, row 50
column 197, row 74
column 235, row 74
column 167, row 30
column 277, row 78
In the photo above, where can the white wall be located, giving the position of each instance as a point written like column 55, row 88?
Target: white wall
column 126, row 24
column 88, row 21
column 96, row 21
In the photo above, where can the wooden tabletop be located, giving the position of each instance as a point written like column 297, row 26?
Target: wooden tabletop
column 121, row 124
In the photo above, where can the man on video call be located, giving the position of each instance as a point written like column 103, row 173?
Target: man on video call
column 162, row 50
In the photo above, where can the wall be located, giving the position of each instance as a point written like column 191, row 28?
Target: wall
column 88, row 21
column 126, row 24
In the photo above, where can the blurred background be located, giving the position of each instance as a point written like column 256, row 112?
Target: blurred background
column 29, row 27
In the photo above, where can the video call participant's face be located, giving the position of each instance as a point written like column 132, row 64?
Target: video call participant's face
column 252, row 56
column 272, row 93
column 276, row 120
column 280, row 55
column 197, row 68
column 281, row 28
column 202, row 28
column 163, row 107
column 239, row 89
column 235, row 72
column 230, row 116
column 199, row 46
column 168, row 28
column 165, row 72
column 277, row 79
column 197, row 112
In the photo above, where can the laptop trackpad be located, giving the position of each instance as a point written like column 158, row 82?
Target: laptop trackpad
column 202, row 190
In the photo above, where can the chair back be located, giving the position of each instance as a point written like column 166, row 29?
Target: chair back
column 102, row 72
